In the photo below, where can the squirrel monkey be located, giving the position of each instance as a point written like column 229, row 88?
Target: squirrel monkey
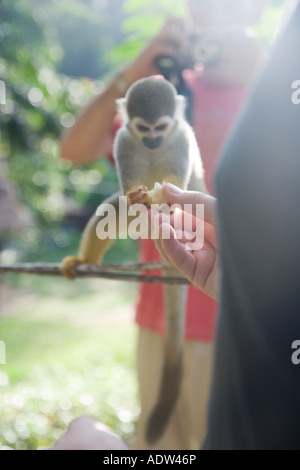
column 154, row 145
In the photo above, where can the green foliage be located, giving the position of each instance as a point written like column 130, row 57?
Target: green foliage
column 164, row 7
column 144, row 18
column 41, row 104
column 87, row 33
column 270, row 22
column 61, row 364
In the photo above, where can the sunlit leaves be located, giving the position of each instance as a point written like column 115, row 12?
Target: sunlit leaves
column 144, row 19
column 62, row 364
column 37, row 410
column 165, row 6
column 270, row 22
column 40, row 105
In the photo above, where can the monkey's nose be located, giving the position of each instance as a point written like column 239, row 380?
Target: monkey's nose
column 152, row 143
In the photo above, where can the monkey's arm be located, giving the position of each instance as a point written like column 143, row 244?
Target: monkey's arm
column 130, row 164
column 92, row 249
column 197, row 176
column 182, row 162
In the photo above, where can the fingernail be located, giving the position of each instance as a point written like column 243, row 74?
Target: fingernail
column 172, row 189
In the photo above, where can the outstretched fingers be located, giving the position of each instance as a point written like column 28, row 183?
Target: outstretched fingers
column 174, row 252
column 188, row 201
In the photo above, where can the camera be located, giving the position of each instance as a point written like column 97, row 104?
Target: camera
column 203, row 50
column 172, row 70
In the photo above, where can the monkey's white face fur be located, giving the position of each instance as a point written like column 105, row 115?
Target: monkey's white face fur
column 152, row 136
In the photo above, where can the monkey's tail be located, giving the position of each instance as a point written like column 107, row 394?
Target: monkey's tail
column 173, row 363
column 168, row 395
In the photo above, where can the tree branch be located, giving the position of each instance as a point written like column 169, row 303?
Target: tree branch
column 118, row 272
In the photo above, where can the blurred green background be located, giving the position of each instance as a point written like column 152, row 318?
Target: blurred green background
column 70, row 347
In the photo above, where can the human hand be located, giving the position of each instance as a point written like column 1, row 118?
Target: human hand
column 86, row 433
column 200, row 266
column 171, row 41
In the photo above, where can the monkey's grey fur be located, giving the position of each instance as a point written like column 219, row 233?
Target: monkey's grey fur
column 154, row 144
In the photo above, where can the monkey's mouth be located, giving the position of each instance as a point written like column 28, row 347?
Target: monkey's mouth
column 152, row 143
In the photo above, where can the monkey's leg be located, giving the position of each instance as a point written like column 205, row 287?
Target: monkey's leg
column 175, row 299
column 92, row 248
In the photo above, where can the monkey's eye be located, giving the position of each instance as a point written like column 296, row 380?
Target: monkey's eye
column 143, row 128
column 161, row 127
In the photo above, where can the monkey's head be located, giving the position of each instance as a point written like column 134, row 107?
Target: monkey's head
column 151, row 109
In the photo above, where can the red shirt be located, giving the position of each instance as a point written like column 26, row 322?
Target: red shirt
column 215, row 109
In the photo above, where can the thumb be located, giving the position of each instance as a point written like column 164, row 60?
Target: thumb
column 175, row 195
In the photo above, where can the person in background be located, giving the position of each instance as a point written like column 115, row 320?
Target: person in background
column 255, row 231
column 230, row 56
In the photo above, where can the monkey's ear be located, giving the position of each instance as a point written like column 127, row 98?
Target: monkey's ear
column 122, row 108
column 180, row 107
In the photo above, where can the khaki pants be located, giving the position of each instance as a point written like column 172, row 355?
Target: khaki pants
column 187, row 427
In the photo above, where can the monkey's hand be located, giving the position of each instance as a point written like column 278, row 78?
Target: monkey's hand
column 142, row 195
column 68, row 267
column 139, row 196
